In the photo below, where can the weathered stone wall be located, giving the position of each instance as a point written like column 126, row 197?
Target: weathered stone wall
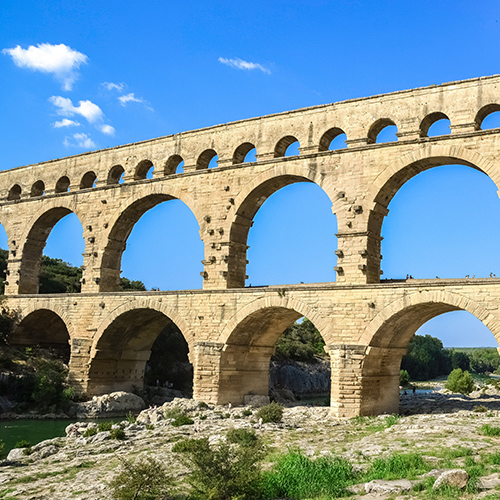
column 232, row 331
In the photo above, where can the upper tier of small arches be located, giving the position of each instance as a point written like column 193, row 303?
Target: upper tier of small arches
column 288, row 145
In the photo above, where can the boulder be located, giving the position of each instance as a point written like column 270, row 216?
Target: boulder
column 16, row 454
column 388, row 487
column 456, row 477
column 490, row 482
column 115, row 404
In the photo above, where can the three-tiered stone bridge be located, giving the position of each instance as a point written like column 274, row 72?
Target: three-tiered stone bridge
column 232, row 330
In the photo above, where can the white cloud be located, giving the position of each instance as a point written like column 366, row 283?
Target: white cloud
column 92, row 112
column 113, row 86
column 82, row 141
column 107, row 129
column 60, row 60
column 241, row 64
column 124, row 99
column 66, row 123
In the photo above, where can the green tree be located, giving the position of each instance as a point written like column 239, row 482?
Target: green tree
column 460, row 360
column 300, row 342
column 426, row 359
column 460, row 381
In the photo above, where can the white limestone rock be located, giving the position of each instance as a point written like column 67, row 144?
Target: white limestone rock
column 457, row 478
column 110, row 405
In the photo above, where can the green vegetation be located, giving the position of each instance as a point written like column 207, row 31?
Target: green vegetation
column 242, row 437
column 489, row 430
column 297, row 476
column 398, row 466
column 460, row 381
column 223, row 471
column 142, row 479
column 178, row 417
column 300, row 342
column 404, row 378
column 426, row 359
column 271, row 413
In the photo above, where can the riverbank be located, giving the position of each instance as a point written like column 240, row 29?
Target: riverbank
column 448, row 435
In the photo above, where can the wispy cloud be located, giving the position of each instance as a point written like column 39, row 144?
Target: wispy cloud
column 107, row 129
column 80, row 141
column 244, row 65
column 113, row 86
column 66, row 123
column 92, row 112
column 124, row 99
column 60, row 60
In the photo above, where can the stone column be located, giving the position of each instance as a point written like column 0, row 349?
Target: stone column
column 347, row 362
column 206, row 366
column 79, row 363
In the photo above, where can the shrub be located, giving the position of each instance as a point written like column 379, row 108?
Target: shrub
column 131, row 418
column 296, row 476
column 182, row 419
column 144, row 479
column 242, row 437
column 90, row 431
column 480, row 409
column 202, row 405
column 404, row 378
column 246, row 413
column 271, row 413
column 105, row 426
column 460, row 381
column 223, row 471
column 117, row 434
column 391, row 420
column 22, row 444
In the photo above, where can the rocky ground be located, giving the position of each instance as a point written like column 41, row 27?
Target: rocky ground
column 443, row 428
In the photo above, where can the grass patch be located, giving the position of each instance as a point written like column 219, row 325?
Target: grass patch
column 300, row 477
column 490, row 430
column 398, row 466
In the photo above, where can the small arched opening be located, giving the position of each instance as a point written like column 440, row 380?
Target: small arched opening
column 207, row 159
column 287, row 146
column 488, row 117
column 144, row 170
column 15, row 192
column 141, row 347
column 62, row 185
column 435, row 124
column 174, row 165
column 89, row 180
column 383, row 130
column 37, row 189
column 116, row 175
column 333, row 139
column 245, row 153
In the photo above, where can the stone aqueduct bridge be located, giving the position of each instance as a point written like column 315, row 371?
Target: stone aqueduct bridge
column 232, row 330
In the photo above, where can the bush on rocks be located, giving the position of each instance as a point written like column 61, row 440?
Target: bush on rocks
column 271, row 413
column 460, row 381
column 142, row 479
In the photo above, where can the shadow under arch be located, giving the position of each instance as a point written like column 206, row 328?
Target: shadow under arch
column 387, row 338
column 122, row 224
column 45, row 328
column 248, row 202
column 250, row 338
column 392, row 178
column 35, row 239
column 123, row 345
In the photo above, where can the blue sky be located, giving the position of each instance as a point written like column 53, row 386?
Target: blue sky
column 85, row 75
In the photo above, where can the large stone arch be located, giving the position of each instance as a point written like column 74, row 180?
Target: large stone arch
column 122, row 344
column 249, row 341
column 46, row 324
column 251, row 198
column 123, row 221
column 33, row 240
column 387, row 336
column 391, row 179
